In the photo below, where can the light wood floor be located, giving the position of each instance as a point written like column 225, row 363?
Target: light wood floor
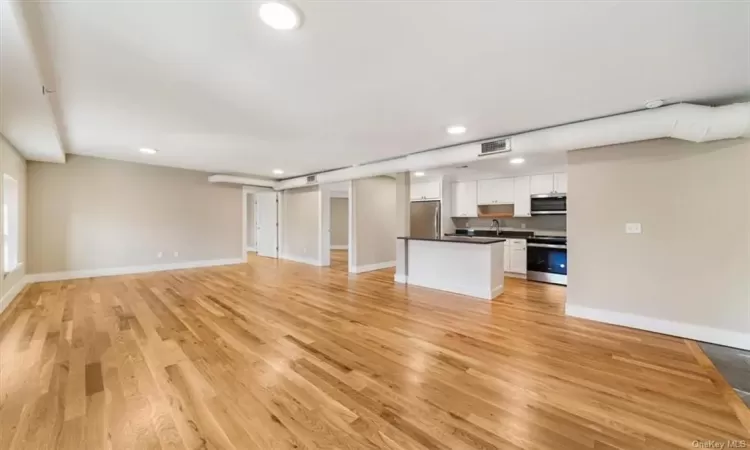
column 275, row 355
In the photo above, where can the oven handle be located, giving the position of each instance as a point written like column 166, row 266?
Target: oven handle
column 565, row 247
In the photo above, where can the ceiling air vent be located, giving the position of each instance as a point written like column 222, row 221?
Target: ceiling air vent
column 311, row 179
column 492, row 147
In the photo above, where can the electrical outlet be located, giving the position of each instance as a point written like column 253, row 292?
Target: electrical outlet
column 159, row 255
column 176, row 254
column 633, row 228
column 523, row 225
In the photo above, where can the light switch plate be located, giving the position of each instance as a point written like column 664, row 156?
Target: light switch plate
column 633, row 228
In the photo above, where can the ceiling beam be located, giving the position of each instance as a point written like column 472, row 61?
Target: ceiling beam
column 28, row 15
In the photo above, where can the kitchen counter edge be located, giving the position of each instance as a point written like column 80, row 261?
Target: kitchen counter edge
column 459, row 240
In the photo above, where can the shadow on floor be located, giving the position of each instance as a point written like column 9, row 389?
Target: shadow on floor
column 734, row 366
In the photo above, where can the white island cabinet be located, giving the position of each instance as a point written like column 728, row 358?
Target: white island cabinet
column 469, row 266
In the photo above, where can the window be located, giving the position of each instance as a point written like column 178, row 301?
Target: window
column 11, row 236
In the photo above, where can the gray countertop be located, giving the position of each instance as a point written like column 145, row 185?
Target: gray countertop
column 459, row 239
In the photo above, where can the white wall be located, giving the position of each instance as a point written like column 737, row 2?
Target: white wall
column 14, row 165
column 375, row 223
column 688, row 273
column 301, row 218
column 93, row 214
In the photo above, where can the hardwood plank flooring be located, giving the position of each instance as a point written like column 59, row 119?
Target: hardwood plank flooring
column 275, row 355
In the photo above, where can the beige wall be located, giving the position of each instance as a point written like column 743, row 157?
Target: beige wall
column 93, row 213
column 301, row 224
column 339, row 221
column 375, row 221
column 691, row 264
column 14, row 165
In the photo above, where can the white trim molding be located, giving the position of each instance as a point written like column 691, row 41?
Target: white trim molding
column 401, row 278
column 250, row 249
column 339, row 247
column 90, row 273
column 702, row 333
column 371, row 267
column 16, row 289
column 302, row 259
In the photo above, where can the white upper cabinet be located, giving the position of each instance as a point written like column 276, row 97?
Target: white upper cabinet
column 465, row 199
column 495, row 191
column 542, row 184
column 561, row 183
column 549, row 183
column 522, row 195
column 425, row 190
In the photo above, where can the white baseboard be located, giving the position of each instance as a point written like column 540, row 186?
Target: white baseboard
column 250, row 249
column 497, row 291
column 371, row 267
column 301, row 259
column 13, row 292
column 400, row 278
column 340, row 247
column 515, row 275
column 71, row 275
column 728, row 338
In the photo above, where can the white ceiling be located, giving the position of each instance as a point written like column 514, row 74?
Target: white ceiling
column 26, row 118
column 499, row 167
column 214, row 89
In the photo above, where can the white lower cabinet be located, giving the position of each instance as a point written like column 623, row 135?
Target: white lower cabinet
column 515, row 256
column 518, row 256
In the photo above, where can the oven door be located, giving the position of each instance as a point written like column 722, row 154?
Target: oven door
column 547, row 262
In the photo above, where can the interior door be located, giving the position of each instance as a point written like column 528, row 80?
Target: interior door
column 267, row 239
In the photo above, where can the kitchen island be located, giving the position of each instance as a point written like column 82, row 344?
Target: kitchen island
column 465, row 265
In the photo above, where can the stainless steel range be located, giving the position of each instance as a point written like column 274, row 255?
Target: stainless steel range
column 547, row 259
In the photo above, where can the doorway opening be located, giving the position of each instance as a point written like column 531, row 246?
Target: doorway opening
column 339, row 226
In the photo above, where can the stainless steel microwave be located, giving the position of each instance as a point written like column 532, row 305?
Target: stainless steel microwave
column 545, row 204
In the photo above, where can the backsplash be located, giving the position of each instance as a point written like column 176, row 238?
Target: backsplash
column 552, row 223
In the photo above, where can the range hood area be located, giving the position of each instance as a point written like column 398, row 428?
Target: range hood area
column 689, row 122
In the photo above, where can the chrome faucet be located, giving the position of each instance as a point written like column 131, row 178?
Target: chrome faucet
column 495, row 223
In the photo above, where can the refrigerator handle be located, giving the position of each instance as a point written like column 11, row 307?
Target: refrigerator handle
column 437, row 223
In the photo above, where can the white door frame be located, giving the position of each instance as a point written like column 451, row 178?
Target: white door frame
column 246, row 192
column 324, row 226
column 352, row 255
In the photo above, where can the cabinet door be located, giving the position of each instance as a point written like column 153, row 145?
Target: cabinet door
column 432, row 190
column 495, row 191
column 522, row 197
column 518, row 256
column 561, row 183
column 425, row 190
column 506, row 257
column 505, row 190
column 416, row 191
column 465, row 199
column 486, row 192
column 542, row 184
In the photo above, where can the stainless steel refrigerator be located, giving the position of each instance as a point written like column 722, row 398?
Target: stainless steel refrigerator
column 425, row 219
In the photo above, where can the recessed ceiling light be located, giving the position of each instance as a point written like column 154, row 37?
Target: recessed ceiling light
column 456, row 129
column 280, row 15
column 517, row 161
column 148, row 151
column 654, row 103
column 278, row 171
column 418, row 174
